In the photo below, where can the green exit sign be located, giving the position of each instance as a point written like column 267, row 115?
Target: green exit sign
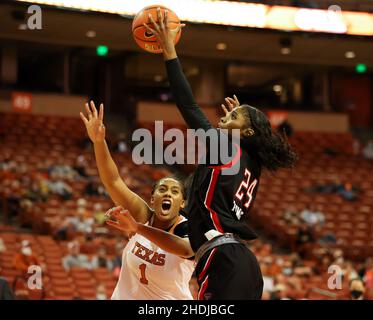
column 102, row 50
column 361, row 68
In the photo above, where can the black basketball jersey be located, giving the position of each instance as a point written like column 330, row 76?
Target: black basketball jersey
column 215, row 201
column 220, row 202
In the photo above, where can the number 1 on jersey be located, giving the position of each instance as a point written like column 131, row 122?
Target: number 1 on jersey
column 142, row 270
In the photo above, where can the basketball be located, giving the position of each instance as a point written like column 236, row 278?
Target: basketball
column 143, row 38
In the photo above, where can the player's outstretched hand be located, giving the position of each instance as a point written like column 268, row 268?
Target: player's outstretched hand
column 231, row 104
column 121, row 219
column 165, row 36
column 94, row 122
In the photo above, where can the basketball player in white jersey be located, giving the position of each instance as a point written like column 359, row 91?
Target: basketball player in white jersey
column 156, row 263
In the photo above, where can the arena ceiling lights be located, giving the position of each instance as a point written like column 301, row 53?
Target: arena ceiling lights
column 237, row 14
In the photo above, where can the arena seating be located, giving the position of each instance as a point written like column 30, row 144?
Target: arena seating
column 58, row 283
column 351, row 222
column 33, row 139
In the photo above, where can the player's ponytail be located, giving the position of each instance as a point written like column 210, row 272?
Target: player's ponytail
column 272, row 149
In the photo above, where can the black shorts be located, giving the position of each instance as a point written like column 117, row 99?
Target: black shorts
column 229, row 272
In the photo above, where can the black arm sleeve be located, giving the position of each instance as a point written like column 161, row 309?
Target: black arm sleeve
column 185, row 102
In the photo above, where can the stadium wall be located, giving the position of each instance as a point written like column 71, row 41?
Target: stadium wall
column 51, row 104
column 301, row 121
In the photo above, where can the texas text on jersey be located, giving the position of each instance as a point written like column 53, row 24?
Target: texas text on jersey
column 150, row 273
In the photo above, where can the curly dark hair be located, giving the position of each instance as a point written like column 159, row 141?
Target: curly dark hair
column 273, row 149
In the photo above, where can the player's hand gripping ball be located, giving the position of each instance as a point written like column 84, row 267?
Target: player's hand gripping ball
column 146, row 40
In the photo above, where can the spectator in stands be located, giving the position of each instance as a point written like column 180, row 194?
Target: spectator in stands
column 274, row 267
column 324, row 261
column 357, row 289
column 81, row 166
column 86, row 219
column 83, row 222
column 63, row 229
column 304, row 239
column 101, row 260
column 280, row 292
column 9, row 167
column 101, row 292
column 122, row 146
column 5, row 159
column 348, row 192
column 365, row 267
column 99, row 214
column 295, row 282
column 287, row 268
column 63, row 171
column 60, row 188
column 24, row 259
column 349, row 271
column 94, row 188
column 102, row 191
column 335, row 186
column 368, row 274
column 26, row 205
column 328, row 238
column 34, row 192
column 44, row 167
column 91, row 188
column 44, row 188
column 268, row 281
column 74, row 258
column 13, row 195
column 306, row 213
column 291, row 216
column 88, row 243
column 368, row 150
column 312, row 217
column 6, row 292
column 338, row 257
column 81, row 203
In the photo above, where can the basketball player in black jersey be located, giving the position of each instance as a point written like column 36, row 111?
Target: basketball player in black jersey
column 217, row 202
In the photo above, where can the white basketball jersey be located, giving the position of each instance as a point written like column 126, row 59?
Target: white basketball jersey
column 150, row 273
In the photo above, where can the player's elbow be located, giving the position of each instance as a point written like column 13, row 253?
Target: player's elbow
column 187, row 253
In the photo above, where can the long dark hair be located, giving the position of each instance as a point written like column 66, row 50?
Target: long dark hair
column 272, row 148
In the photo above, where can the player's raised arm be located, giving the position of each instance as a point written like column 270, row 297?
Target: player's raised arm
column 180, row 87
column 165, row 240
column 118, row 190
